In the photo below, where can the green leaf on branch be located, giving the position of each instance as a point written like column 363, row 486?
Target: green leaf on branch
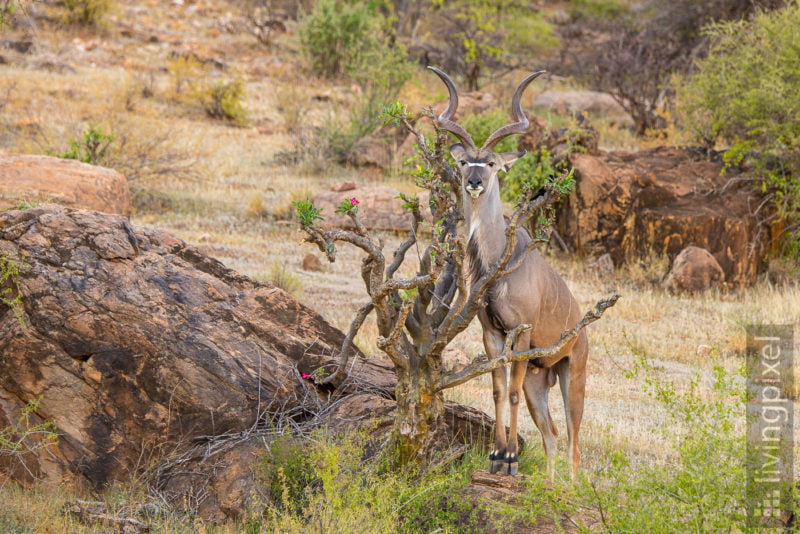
column 393, row 113
column 348, row 206
column 307, row 213
column 410, row 202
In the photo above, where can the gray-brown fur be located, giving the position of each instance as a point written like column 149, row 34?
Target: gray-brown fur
column 531, row 294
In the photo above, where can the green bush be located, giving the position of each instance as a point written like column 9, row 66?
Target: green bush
column 325, row 483
column 92, row 147
column 335, row 36
column 140, row 150
column 744, row 94
column 480, row 38
column 350, row 40
column 481, row 126
column 702, row 488
column 532, row 171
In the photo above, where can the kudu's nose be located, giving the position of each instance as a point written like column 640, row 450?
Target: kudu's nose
column 474, row 182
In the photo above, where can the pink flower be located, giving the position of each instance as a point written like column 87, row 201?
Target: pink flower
column 354, row 201
column 305, row 375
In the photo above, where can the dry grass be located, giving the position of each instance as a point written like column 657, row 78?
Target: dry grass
column 236, row 203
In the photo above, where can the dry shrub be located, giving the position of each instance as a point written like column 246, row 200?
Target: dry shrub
column 145, row 150
column 289, row 101
column 645, row 271
column 184, row 70
column 279, row 276
column 256, row 207
column 224, row 100
column 282, row 208
column 87, row 12
column 190, row 85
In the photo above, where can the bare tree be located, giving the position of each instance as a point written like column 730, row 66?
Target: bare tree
column 644, row 48
column 417, row 317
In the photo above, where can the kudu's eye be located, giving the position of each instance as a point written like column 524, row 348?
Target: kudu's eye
column 491, row 164
column 462, row 162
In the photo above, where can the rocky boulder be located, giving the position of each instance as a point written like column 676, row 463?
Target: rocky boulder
column 146, row 354
column 694, row 269
column 137, row 343
column 377, row 150
column 36, row 179
column 660, row 201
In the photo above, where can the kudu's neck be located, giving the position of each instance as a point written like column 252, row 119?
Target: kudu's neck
column 486, row 238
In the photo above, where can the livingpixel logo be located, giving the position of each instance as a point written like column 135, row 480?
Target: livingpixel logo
column 770, row 417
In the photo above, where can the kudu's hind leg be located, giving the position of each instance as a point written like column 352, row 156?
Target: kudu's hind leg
column 493, row 344
column 517, row 378
column 573, row 387
column 537, row 387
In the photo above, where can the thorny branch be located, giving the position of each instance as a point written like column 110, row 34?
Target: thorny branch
column 484, row 365
column 387, row 344
column 347, row 344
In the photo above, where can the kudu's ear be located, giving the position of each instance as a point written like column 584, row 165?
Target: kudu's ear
column 509, row 158
column 458, row 152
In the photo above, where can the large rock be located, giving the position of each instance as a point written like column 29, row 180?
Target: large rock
column 137, row 343
column 377, row 150
column 515, row 492
column 661, row 200
column 146, row 354
column 36, row 179
column 694, row 269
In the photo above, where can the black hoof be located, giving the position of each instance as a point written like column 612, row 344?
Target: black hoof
column 497, row 463
column 497, row 466
column 513, row 468
column 512, row 464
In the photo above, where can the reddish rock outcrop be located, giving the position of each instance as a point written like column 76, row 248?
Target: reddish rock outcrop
column 29, row 179
column 694, row 269
column 662, row 200
column 145, row 353
column 137, row 342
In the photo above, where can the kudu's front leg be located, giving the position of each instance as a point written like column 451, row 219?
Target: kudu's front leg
column 493, row 343
column 515, row 392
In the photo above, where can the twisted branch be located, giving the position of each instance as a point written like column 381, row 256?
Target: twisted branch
column 538, row 357
column 347, row 344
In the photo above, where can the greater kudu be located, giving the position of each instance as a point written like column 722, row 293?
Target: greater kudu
column 533, row 293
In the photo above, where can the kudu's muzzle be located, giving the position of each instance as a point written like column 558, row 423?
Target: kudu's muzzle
column 474, row 180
